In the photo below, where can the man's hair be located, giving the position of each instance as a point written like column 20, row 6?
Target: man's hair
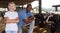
column 29, row 5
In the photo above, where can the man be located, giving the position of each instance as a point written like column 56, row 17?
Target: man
column 11, row 19
column 26, row 18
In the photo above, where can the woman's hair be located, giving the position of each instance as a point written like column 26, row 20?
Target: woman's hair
column 11, row 3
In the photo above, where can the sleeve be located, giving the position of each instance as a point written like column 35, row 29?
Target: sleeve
column 22, row 15
column 16, row 14
column 30, row 14
column 6, row 14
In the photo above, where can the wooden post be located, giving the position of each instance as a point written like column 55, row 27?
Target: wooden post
column 39, row 6
column 56, row 8
column 22, row 6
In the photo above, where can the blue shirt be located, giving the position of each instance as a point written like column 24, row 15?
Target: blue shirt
column 23, row 15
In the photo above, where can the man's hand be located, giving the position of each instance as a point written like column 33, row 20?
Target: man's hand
column 26, row 21
column 29, row 19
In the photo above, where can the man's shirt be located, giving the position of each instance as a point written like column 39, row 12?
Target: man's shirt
column 23, row 14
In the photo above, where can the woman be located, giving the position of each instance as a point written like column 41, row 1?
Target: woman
column 11, row 19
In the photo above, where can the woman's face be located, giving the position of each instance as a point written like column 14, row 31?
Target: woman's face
column 11, row 7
